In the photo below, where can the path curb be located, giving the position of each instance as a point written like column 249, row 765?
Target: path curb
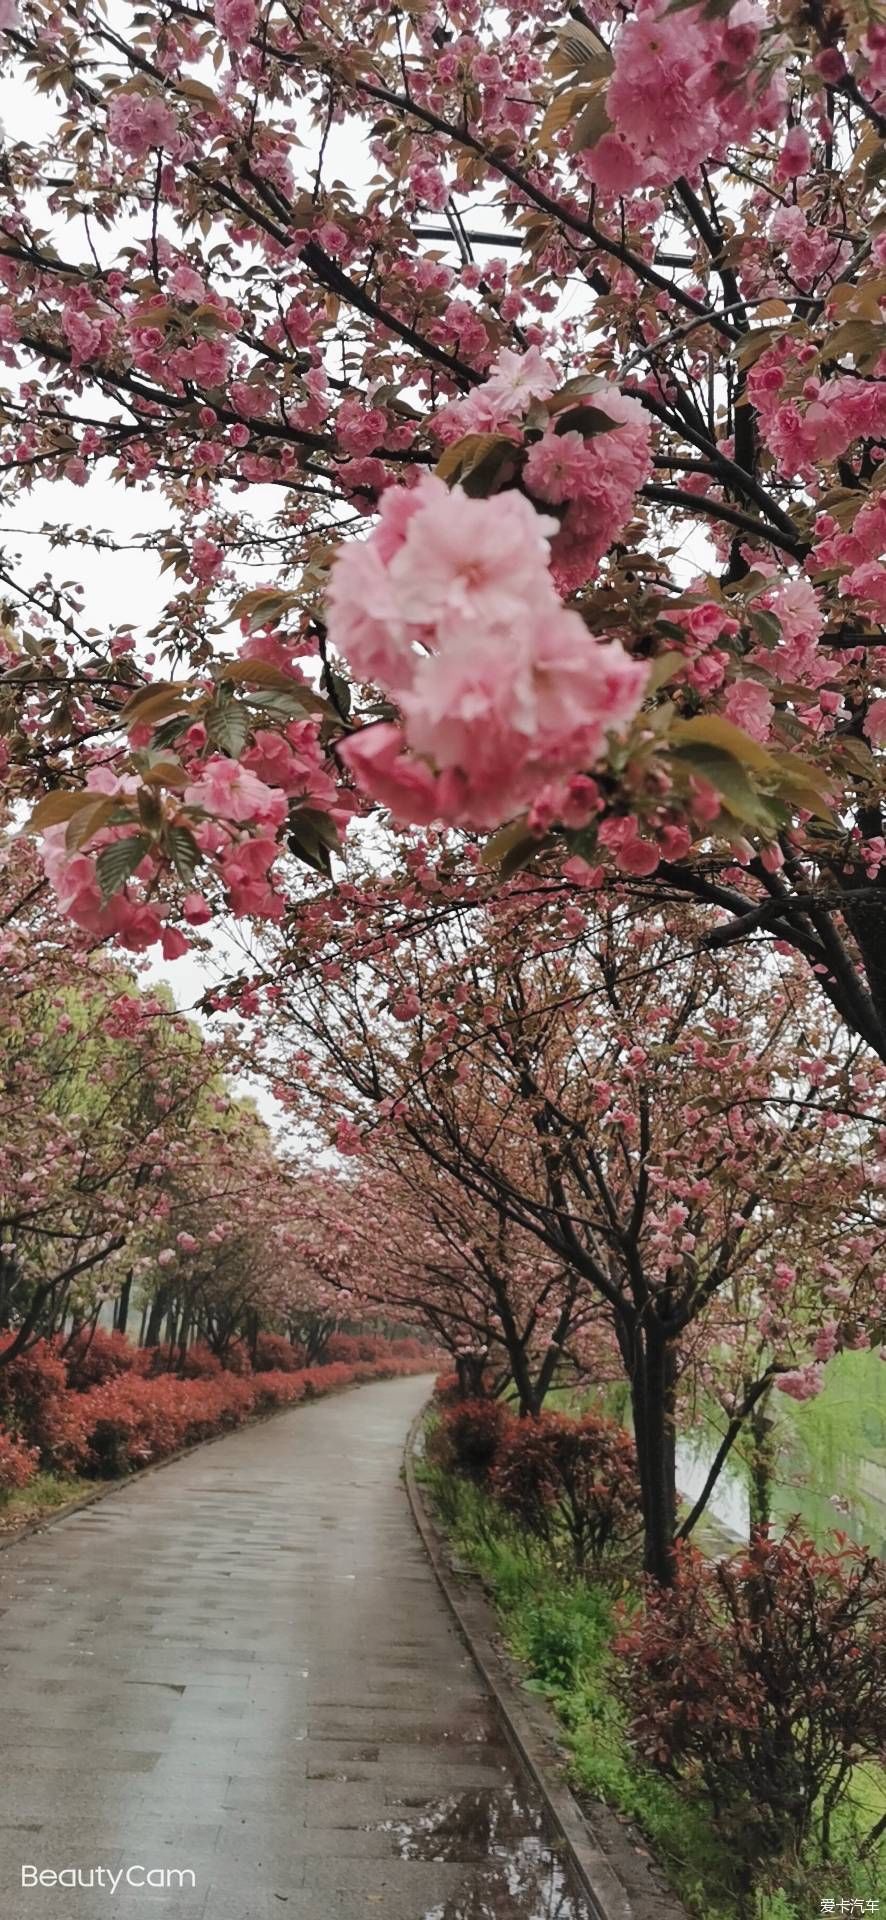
column 611, row 1870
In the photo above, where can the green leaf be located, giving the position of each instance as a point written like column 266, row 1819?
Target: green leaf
column 340, row 693
column 580, row 387
column 54, row 808
column 765, row 625
column 712, row 730
column 585, row 420
column 263, row 607
column 150, row 809
column 662, row 670
column 729, row 779
column 290, row 706
column 117, row 863
column 183, row 852
column 312, row 837
column 590, row 124
column 227, row 724
column 502, row 842
column 581, row 51
column 89, row 820
column 156, row 702
column 256, row 673
column 172, row 730
column 481, row 455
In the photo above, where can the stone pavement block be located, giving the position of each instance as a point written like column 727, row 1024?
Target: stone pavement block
column 420, row 1881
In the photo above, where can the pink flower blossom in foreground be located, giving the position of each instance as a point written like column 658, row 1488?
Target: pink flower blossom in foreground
column 450, row 606
column 229, row 791
column 513, row 380
column 682, row 88
column 749, row 706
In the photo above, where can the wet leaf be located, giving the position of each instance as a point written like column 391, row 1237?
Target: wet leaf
column 117, row 863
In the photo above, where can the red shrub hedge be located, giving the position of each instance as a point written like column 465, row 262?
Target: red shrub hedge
column 133, row 1421
column 764, row 1675
column 468, row 1438
column 277, row 1388
column 18, row 1464
column 343, row 1349
column 275, row 1354
column 575, row 1477
column 92, row 1358
column 138, row 1412
column 37, row 1408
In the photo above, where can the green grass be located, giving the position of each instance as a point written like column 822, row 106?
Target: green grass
column 562, row 1630
column 42, row 1495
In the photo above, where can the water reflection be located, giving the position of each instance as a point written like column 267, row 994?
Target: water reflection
column 513, row 1896
column 518, row 1874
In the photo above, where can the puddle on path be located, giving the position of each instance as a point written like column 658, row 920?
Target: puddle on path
column 501, row 1834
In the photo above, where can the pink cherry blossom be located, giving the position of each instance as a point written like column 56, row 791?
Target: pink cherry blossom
column 137, row 122
column 501, row 687
column 187, row 284
column 801, row 1383
column 236, row 21
column 229, row 791
column 748, row 705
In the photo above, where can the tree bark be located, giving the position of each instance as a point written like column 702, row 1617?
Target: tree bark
column 156, row 1311
column 762, row 1467
column 122, row 1313
column 653, row 1398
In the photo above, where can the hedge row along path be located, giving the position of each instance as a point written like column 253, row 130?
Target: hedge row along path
column 243, row 1667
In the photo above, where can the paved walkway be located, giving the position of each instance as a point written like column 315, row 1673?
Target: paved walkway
column 241, row 1668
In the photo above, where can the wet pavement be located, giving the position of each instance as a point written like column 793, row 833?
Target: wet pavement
column 236, row 1686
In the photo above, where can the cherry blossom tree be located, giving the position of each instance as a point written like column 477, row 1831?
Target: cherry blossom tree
column 511, row 381
column 116, row 1121
column 404, row 1237
column 664, row 1121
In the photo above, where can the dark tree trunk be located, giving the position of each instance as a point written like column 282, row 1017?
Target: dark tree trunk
column 156, row 1312
column 469, row 1368
column 121, row 1314
column 653, row 1397
column 762, row 1467
column 184, row 1335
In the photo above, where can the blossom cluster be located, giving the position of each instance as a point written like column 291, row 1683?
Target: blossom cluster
column 589, row 472
column 450, row 607
column 806, row 422
column 684, row 86
column 858, row 553
column 233, row 810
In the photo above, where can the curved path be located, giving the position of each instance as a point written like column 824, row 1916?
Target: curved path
column 241, row 1669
